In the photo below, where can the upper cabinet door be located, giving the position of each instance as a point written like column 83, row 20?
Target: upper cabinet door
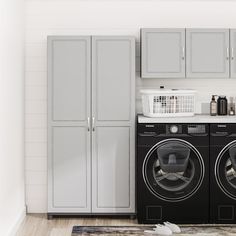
column 163, row 53
column 233, row 52
column 70, row 77
column 207, row 53
column 113, row 73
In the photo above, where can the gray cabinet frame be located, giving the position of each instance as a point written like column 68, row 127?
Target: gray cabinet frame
column 95, row 131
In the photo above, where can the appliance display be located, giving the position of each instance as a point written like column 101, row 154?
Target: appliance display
column 172, row 173
column 223, row 173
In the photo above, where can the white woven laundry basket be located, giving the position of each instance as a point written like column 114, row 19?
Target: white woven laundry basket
column 168, row 103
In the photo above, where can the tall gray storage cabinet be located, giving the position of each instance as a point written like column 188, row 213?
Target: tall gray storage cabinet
column 91, row 125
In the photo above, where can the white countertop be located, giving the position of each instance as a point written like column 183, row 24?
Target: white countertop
column 192, row 119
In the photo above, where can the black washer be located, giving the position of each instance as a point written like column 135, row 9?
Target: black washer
column 223, row 173
column 172, row 173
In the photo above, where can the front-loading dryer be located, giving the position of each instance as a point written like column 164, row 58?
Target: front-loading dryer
column 172, row 173
column 223, row 173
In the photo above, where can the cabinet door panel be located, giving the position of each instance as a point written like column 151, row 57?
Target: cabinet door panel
column 233, row 52
column 207, row 53
column 163, row 53
column 111, row 169
column 70, row 77
column 113, row 109
column 112, row 73
column 70, row 168
column 69, row 81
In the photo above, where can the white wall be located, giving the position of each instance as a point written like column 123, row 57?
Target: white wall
column 91, row 17
column 12, row 193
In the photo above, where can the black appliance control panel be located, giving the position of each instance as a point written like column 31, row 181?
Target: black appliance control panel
column 149, row 129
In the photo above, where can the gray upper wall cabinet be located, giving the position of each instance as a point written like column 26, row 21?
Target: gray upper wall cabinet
column 162, row 53
column 210, row 53
column 207, row 53
column 233, row 53
column 91, row 124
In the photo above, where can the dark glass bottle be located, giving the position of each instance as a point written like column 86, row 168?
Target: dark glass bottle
column 222, row 105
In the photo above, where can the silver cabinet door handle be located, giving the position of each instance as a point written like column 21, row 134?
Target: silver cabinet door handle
column 227, row 53
column 183, row 53
column 88, row 120
column 93, row 120
column 232, row 54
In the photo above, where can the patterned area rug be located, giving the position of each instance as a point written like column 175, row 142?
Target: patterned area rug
column 139, row 230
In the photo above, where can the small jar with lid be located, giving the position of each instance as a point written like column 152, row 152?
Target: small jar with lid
column 222, row 106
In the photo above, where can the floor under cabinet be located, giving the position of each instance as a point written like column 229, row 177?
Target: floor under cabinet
column 38, row 225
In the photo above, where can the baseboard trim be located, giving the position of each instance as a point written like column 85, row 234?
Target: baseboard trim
column 18, row 222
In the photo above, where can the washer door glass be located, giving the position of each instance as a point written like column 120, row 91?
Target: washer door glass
column 173, row 170
column 225, row 170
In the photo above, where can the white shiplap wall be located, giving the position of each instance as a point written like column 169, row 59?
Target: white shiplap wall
column 93, row 17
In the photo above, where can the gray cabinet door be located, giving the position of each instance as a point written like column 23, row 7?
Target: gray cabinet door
column 111, row 170
column 233, row 53
column 69, row 156
column 70, row 77
column 207, row 53
column 163, row 53
column 70, row 169
column 113, row 109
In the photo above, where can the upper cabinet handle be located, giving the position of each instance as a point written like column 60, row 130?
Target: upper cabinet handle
column 227, row 53
column 88, row 120
column 232, row 54
column 183, row 53
column 93, row 120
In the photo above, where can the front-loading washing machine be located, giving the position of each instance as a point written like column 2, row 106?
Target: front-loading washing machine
column 172, row 173
column 223, row 173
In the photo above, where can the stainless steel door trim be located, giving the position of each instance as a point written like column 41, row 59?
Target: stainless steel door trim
column 93, row 124
column 88, row 123
column 183, row 53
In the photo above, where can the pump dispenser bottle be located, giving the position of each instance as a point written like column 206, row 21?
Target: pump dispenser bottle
column 213, row 106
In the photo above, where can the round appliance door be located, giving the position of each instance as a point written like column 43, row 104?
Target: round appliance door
column 173, row 170
column 225, row 170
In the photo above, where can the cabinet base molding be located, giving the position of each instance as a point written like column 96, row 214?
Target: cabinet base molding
column 50, row 216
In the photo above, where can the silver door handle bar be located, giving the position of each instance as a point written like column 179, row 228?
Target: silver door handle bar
column 232, row 53
column 93, row 121
column 183, row 53
column 88, row 120
column 227, row 53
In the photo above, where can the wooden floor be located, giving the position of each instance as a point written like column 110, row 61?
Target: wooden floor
column 38, row 225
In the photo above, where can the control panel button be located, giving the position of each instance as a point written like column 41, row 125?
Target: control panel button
column 174, row 129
